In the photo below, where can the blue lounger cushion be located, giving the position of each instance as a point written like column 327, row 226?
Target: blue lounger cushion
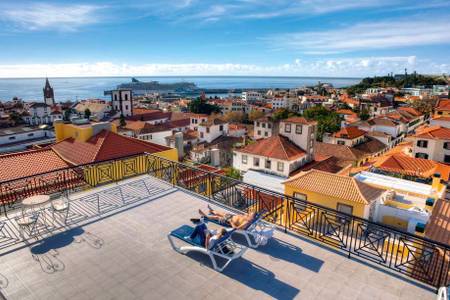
column 185, row 231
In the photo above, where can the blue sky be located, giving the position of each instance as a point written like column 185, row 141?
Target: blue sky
column 239, row 37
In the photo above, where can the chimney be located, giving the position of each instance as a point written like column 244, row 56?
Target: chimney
column 179, row 145
column 436, row 183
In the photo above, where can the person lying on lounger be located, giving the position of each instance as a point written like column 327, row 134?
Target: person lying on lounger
column 207, row 237
column 235, row 221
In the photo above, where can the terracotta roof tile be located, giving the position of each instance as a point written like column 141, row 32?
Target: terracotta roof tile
column 103, row 146
column 403, row 164
column 342, row 152
column 349, row 133
column 434, row 132
column 410, row 110
column 298, row 120
column 443, row 105
column 372, row 146
column 334, row 185
column 277, row 146
column 27, row 163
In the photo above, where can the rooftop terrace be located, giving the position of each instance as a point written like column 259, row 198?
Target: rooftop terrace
column 123, row 253
column 114, row 244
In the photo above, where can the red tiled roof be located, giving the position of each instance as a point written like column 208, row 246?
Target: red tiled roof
column 342, row 152
column 349, row 133
column 278, row 147
column 443, row 105
column 27, row 163
column 434, row 132
column 419, row 167
column 345, row 112
column 410, row 110
column 154, row 115
column 298, row 120
column 442, row 118
column 103, row 146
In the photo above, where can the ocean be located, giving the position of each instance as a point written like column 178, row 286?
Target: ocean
column 30, row 89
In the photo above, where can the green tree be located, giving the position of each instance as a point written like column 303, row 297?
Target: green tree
column 233, row 173
column 16, row 118
column 122, row 122
column 87, row 113
column 364, row 114
column 200, row 106
column 327, row 121
column 254, row 115
column 67, row 114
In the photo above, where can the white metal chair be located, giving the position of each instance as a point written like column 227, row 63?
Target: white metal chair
column 61, row 206
column 27, row 223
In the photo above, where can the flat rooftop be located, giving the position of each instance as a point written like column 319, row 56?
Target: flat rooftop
column 124, row 253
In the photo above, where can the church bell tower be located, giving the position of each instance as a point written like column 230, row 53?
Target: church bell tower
column 49, row 96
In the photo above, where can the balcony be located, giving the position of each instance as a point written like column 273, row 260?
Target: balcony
column 114, row 243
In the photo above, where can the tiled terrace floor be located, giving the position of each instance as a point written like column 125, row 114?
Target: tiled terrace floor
column 127, row 256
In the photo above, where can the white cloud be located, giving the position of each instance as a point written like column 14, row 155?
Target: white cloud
column 357, row 67
column 49, row 16
column 368, row 36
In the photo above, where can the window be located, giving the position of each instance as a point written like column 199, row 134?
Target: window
column 422, row 143
column 447, row 145
column 202, row 135
column 268, row 164
column 266, row 133
column 263, row 125
column 259, row 132
column 244, row 159
column 12, row 138
column 280, row 166
column 257, row 124
column 256, row 161
column 115, row 98
column 269, row 125
column 447, row 159
column 126, row 107
column 348, row 209
column 299, row 196
column 298, row 129
column 31, row 134
column 340, row 142
column 421, row 155
column 287, row 128
column 126, row 97
column 207, row 129
column 221, row 128
column 439, row 112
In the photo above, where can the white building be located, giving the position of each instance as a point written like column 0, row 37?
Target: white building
column 282, row 153
column 279, row 102
column 211, row 129
column 99, row 108
column 197, row 119
column 41, row 113
column 251, row 96
column 432, row 143
column 20, row 137
column 122, row 102
column 264, row 128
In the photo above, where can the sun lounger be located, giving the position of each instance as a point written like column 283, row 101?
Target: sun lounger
column 224, row 247
column 256, row 232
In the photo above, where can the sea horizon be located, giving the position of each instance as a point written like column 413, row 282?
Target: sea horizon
column 91, row 87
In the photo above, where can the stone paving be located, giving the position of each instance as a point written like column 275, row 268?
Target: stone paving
column 125, row 254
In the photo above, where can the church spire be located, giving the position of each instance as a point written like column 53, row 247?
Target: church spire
column 49, row 96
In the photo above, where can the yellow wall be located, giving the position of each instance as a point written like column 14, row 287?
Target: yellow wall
column 327, row 201
column 78, row 132
column 395, row 222
column 122, row 168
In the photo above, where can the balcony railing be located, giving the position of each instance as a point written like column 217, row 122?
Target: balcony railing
column 414, row 256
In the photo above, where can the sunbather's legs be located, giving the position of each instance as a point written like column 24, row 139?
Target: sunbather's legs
column 213, row 214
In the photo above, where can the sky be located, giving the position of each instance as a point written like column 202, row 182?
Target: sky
column 335, row 38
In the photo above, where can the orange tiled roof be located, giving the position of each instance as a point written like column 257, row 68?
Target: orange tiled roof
column 103, row 146
column 27, row 163
column 434, row 132
column 410, row 110
column 345, row 112
column 298, row 120
column 334, row 185
column 443, row 105
column 406, row 165
column 349, row 133
column 277, row 146
column 442, row 118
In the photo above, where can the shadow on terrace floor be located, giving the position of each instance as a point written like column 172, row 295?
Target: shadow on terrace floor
column 253, row 276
